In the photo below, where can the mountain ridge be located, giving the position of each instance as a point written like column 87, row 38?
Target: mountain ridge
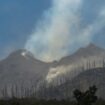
column 84, row 52
column 20, row 67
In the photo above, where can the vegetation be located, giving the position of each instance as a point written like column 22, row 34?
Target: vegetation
column 86, row 98
column 31, row 101
column 83, row 98
column 26, row 96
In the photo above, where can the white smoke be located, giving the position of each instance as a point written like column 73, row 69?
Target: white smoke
column 59, row 33
column 60, row 71
column 55, row 72
column 74, row 68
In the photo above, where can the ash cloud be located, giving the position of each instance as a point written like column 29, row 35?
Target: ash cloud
column 59, row 33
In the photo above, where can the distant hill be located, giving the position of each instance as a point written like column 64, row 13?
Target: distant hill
column 84, row 53
column 88, row 57
column 82, row 82
column 22, row 69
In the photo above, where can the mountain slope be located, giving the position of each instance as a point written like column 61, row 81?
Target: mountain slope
column 21, row 67
column 82, row 82
column 84, row 53
column 88, row 78
column 84, row 58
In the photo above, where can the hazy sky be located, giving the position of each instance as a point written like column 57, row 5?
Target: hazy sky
column 19, row 17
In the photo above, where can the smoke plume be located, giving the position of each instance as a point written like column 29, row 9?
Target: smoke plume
column 75, row 68
column 60, row 33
